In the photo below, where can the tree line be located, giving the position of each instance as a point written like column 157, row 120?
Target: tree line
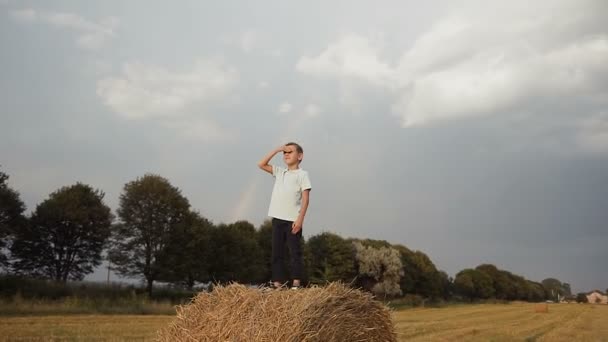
column 156, row 236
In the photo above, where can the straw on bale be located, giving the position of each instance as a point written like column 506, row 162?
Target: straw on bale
column 238, row 313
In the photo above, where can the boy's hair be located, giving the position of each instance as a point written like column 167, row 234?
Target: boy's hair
column 298, row 147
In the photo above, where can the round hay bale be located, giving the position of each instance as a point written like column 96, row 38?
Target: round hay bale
column 238, row 313
column 541, row 308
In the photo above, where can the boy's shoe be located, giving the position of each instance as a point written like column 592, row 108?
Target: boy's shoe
column 296, row 287
column 272, row 287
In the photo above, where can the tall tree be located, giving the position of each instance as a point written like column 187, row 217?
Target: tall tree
column 331, row 258
column 379, row 269
column 237, row 255
column 473, row 283
column 554, row 287
column 11, row 216
column 187, row 258
column 420, row 274
column 464, row 284
column 66, row 235
column 150, row 211
column 581, row 298
column 265, row 244
column 536, row 291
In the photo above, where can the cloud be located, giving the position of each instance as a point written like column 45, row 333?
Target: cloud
column 479, row 63
column 353, row 56
column 145, row 90
column 248, row 40
column 200, row 129
column 285, row 108
column 276, row 53
column 593, row 134
column 26, row 14
column 309, row 111
column 482, row 61
column 92, row 35
column 312, row 110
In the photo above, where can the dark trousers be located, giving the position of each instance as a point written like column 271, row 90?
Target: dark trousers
column 281, row 235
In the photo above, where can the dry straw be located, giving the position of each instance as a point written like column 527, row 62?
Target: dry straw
column 237, row 313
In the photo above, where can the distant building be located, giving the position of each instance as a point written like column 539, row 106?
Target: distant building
column 597, row 297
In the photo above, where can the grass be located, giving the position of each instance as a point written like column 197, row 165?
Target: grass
column 28, row 296
column 82, row 327
column 18, row 306
column 484, row 322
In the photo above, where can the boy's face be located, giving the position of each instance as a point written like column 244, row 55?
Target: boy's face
column 291, row 155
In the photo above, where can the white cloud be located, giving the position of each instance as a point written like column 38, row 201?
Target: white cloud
column 312, row 110
column 353, row 56
column 92, row 35
column 483, row 63
column 285, row 108
column 145, row 90
column 481, row 60
column 248, row 40
column 263, row 85
column 26, row 14
column 200, row 129
column 275, row 53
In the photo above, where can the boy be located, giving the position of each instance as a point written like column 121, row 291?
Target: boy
column 288, row 205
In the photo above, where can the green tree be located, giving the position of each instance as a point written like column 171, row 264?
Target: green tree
column 11, row 216
column 265, row 244
column 150, row 211
column 520, row 287
column 554, row 287
column 331, row 258
column 446, row 285
column 66, row 235
column 379, row 269
column 483, row 285
column 500, row 280
column 581, row 298
column 473, row 283
column 420, row 276
column 464, row 285
column 187, row 257
column 536, row 291
column 237, row 255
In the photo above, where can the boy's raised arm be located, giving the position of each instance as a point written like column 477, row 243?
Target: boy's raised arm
column 263, row 164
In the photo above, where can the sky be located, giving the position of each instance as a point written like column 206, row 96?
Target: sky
column 474, row 131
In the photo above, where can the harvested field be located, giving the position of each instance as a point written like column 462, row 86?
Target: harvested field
column 490, row 322
column 504, row 322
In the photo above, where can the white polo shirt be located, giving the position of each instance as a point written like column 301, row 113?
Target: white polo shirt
column 286, row 199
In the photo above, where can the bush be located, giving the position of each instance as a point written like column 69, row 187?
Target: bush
column 409, row 300
column 21, row 295
column 581, row 298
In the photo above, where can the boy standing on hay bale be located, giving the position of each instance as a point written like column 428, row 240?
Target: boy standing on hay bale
column 288, row 205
